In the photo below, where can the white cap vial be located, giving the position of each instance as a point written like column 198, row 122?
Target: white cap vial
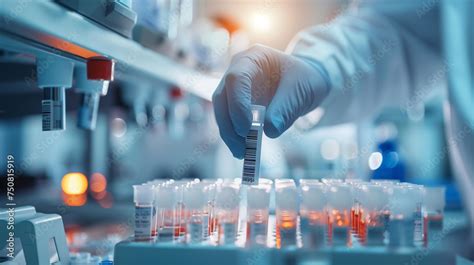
column 258, row 113
column 143, row 194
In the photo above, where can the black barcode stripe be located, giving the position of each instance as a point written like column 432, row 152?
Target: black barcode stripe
column 46, row 113
column 250, row 158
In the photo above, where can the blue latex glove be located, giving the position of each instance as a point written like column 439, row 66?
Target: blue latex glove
column 288, row 86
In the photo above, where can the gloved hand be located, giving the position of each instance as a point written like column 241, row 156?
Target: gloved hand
column 287, row 85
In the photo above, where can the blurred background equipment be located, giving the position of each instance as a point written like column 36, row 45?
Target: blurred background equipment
column 142, row 74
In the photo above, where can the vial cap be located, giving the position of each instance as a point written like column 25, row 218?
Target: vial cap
column 258, row 196
column 143, row 194
column 100, row 68
column 258, row 113
column 435, row 198
column 339, row 196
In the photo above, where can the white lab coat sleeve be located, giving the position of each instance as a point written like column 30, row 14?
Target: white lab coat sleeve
column 375, row 56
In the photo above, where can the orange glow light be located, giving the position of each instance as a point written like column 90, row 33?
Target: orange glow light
column 74, row 183
column 75, row 200
column 98, row 183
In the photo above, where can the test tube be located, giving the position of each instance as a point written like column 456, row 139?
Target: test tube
column 286, row 198
column 143, row 199
column 165, row 205
column 210, row 193
column 253, row 143
column 313, row 219
column 195, row 201
column 374, row 201
column 227, row 212
column 258, row 203
column 339, row 198
column 181, row 212
column 356, row 209
column 387, row 185
column 403, row 207
column 433, row 217
column 418, row 192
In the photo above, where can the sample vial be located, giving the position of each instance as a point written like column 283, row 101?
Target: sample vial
column 195, row 202
column 143, row 199
column 258, row 203
column 53, row 108
column 227, row 212
column 373, row 201
column 253, row 143
column 286, row 198
column 313, row 219
column 418, row 192
column 180, row 210
column 339, row 198
column 165, row 204
column 402, row 216
column 434, row 213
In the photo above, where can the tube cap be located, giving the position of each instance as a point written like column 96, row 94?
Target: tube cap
column 100, row 68
column 258, row 113
column 143, row 194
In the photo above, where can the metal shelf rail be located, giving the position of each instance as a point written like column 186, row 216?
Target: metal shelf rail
column 45, row 26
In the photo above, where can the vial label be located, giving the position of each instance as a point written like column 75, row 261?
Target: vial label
column 52, row 111
column 166, row 234
column 418, row 230
column 154, row 222
column 375, row 235
column 313, row 235
column 229, row 233
column 196, row 233
column 287, row 236
column 47, row 109
column 341, row 235
column 206, row 226
column 257, row 233
column 252, row 156
column 143, row 221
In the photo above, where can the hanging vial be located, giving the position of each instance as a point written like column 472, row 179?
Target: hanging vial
column 253, row 143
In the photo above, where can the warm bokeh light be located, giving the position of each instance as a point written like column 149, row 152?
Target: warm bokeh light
column 98, row 183
column 261, row 22
column 74, row 183
column 75, row 200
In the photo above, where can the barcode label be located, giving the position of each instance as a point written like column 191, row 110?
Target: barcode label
column 46, row 110
column 251, row 158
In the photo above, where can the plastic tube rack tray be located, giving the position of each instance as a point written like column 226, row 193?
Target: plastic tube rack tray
column 129, row 252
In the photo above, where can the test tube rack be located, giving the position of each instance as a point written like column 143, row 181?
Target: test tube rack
column 129, row 252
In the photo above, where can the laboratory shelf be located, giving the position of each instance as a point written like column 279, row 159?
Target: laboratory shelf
column 129, row 252
column 46, row 26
